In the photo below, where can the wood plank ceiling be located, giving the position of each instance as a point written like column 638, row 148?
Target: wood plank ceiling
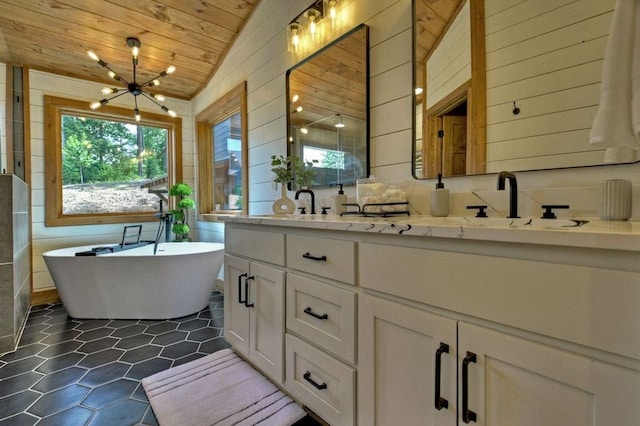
column 192, row 35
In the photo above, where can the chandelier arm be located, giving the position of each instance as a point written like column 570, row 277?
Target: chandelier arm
column 161, row 75
column 117, row 95
column 120, row 78
column 152, row 99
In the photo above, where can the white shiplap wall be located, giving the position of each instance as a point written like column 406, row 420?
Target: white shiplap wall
column 48, row 238
column 547, row 57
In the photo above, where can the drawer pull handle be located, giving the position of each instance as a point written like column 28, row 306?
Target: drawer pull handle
column 308, row 255
column 308, row 311
column 307, row 377
column 440, row 401
column 467, row 415
column 240, row 301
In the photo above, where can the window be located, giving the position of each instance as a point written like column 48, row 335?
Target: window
column 222, row 154
column 101, row 166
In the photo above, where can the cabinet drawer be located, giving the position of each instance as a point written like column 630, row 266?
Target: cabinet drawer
column 321, row 382
column 259, row 245
column 326, row 257
column 323, row 314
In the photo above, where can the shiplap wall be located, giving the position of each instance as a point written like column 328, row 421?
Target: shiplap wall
column 545, row 55
column 449, row 66
column 49, row 238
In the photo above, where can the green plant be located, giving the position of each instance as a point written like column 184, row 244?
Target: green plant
column 180, row 214
column 292, row 168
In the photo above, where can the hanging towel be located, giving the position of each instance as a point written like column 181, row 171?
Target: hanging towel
column 616, row 125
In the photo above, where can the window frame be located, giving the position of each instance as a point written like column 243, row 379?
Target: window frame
column 54, row 109
column 232, row 102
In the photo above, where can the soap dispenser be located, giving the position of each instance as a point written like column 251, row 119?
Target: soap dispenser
column 339, row 200
column 440, row 199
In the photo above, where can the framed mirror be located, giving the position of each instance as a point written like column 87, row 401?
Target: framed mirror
column 327, row 110
column 506, row 85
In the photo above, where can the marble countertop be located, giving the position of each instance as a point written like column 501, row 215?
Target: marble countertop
column 587, row 233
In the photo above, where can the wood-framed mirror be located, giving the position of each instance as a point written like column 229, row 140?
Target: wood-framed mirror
column 541, row 67
column 328, row 110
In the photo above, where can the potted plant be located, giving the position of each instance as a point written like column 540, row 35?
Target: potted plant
column 180, row 213
column 292, row 169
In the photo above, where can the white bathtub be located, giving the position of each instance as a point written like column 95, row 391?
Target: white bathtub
column 135, row 283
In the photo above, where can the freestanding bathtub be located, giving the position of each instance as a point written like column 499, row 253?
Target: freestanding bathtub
column 134, row 283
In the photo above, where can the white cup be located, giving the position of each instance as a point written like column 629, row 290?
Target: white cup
column 615, row 199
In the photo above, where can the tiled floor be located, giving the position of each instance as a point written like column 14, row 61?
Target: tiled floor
column 87, row 372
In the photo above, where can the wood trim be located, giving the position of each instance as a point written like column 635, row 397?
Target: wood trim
column 231, row 102
column 54, row 107
column 477, row 99
column 44, row 297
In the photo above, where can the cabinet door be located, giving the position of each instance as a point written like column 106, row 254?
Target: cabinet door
column 266, row 340
column 236, row 314
column 514, row 381
column 398, row 350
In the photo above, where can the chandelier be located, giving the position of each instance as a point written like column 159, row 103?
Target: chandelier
column 133, row 87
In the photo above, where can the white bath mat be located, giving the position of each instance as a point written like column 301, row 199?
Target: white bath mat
column 218, row 389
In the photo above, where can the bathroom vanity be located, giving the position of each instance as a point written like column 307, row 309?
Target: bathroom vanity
column 440, row 321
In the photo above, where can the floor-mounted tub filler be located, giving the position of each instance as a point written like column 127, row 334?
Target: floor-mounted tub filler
column 136, row 283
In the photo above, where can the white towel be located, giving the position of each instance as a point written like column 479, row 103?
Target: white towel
column 616, row 125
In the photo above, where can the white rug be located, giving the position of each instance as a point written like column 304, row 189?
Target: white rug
column 218, row 389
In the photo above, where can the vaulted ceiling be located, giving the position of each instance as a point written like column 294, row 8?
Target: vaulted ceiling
column 192, row 35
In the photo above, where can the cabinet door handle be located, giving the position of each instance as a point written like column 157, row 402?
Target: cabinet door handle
column 440, row 402
column 308, row 311
column 467, row 415
column 240, row 277
column 308, row 255
column 307, row 377
column 246, row 291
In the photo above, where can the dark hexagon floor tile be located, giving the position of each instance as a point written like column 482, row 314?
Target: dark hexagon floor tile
column 23, row 352
column 194, row 324
column 188, row 358
column 204, row 334
column 19, row 383
column 140, row 394
column 179, row 350
column 20, row 366
column 122, row 323
column 100, row 358
column 134, row 341
column 92, row 324
column 60, row 362
column 218, row 321
column 169, row 338
column 59, row 379
column 60, row 348
column 96, row 333
column 142, row 353
column 129, row 330
column 58, row 317
column 109, row 393
column 128, row 412
column 149, row 418
column 59, row 400
column 17, row 403
column 60, row 337
column 148, row 367
column 28, row 339
column 162, row 327
column 105, row 374
column 98, row 345
column 22, row 419
column 58, row 328
column 34, row 328
column 214, row 345
column 72, row 416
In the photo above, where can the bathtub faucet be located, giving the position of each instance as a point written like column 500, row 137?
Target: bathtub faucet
column 311, row 194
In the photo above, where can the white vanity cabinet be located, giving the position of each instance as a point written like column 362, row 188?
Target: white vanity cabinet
column 254, row 298
column 501, row 374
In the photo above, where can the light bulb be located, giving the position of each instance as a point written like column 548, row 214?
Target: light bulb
column 95, row 105
column 418, row 90
column 156, row 82
column 295, row 98
column 93, row 56
column 304, row 130
column 158, row 97
column 299, row 109
column 312, row 25
column 295, row 40
column 108, row 90
column 137, row 114
column 171, row 69
column 333, row 13
column 134, row 51
column 172, row 113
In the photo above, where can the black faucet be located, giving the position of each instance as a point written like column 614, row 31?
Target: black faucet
column 313, row 198
column 513, row 192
